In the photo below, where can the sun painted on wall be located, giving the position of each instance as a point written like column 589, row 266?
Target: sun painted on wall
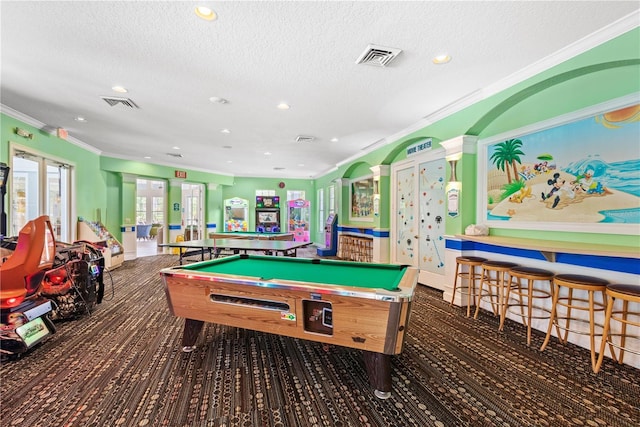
column 586, row 172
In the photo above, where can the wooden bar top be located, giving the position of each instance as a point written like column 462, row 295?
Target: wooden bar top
column 550, row 247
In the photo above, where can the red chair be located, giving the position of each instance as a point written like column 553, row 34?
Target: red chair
column 21, row 274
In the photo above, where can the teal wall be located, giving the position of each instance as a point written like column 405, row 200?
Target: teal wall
column 606, row 72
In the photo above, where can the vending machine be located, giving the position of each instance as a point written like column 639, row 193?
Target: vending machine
column 299, row 213
column 330, row 237
column 268, row 214
column 236, row 214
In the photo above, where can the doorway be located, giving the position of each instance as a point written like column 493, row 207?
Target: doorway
column 150, row 216
column 192, row 211
column 40, row 186
column 418, row 221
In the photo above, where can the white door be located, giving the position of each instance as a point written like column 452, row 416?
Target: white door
column 432, row 215
column 418, row 221
column 405, row 226
column 192, row 212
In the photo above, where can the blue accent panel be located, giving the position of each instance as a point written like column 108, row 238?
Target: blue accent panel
column 624, row 265
column 174, row 227
column 212, row 225
column 379, row 233
column 459, row 245
column 504, row 250
column 366, row 231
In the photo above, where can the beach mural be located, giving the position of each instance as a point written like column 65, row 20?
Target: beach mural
column 584, row 172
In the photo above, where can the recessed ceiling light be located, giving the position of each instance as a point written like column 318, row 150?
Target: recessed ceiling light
column 119, row 89
column 147, row 157
column 225, row 131
column 283, row 106
column 229, row 161
column 218, row 100
column 206, row 13
column 334, row 139
column 176, row 148
column 267, row 153
column 80, row 119
column 301, row 164
column 441, row 59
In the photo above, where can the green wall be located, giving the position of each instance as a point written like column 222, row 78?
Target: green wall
column 606, row 72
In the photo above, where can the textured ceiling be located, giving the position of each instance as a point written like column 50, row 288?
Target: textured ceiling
column 59, row 58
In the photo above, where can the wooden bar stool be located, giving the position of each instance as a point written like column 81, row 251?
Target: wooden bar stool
column 494, row 277
column 627, row 294
column 571, row 283
column 517, row 287
column 471, row 262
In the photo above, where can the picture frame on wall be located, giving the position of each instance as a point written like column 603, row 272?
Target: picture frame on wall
column 578, row 172
column 361, row 191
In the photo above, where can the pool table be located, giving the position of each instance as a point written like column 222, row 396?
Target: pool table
column 250, row 235
column 359, row 305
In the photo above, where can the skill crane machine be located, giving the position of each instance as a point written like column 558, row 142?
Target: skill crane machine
column 299, row 212
column 330, row 237
column 236, row 214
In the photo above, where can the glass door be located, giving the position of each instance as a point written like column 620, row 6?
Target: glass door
column 57, row 199
column 192, row 217
column 40, row 186
column 25, row 186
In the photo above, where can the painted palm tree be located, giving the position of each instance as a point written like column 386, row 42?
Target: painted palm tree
column 506, row 155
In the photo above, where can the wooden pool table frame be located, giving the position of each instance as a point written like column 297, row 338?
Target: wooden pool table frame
column 372, row 320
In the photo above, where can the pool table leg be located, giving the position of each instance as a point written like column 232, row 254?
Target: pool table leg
column 379, row 371
column 192, row 329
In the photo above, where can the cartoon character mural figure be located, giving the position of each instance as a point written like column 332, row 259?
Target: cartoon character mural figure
column 559, row 187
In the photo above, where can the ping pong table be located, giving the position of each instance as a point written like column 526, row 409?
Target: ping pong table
column 215, row 247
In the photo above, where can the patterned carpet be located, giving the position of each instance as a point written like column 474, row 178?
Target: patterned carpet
column 123, row 366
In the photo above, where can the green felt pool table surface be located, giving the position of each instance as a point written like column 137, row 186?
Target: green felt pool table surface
column 330, row 272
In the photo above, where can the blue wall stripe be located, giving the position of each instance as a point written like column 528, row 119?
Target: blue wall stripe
column 212, row 225
column 365, row 231
column 174, row 227
column 624, row 265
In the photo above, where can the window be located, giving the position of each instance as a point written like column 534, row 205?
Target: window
column 332, row 199
column 295, row 195
column 150, row 201
column 157, row 210
column 141, row 209
column 321, row 214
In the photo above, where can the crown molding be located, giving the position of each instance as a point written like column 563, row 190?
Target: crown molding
column 43, row 127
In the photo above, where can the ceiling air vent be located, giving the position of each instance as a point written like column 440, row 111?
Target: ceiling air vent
column 304, row 138
column 379, row 56
column 177, row 155
column 114, row 100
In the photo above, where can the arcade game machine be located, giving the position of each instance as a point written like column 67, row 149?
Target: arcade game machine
column 75, row 284
column 7, row 245
column 268, row 214
column 299, row 212
column 236, row 214
column 4, row 176
column 24, row 313
column 330, row 237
